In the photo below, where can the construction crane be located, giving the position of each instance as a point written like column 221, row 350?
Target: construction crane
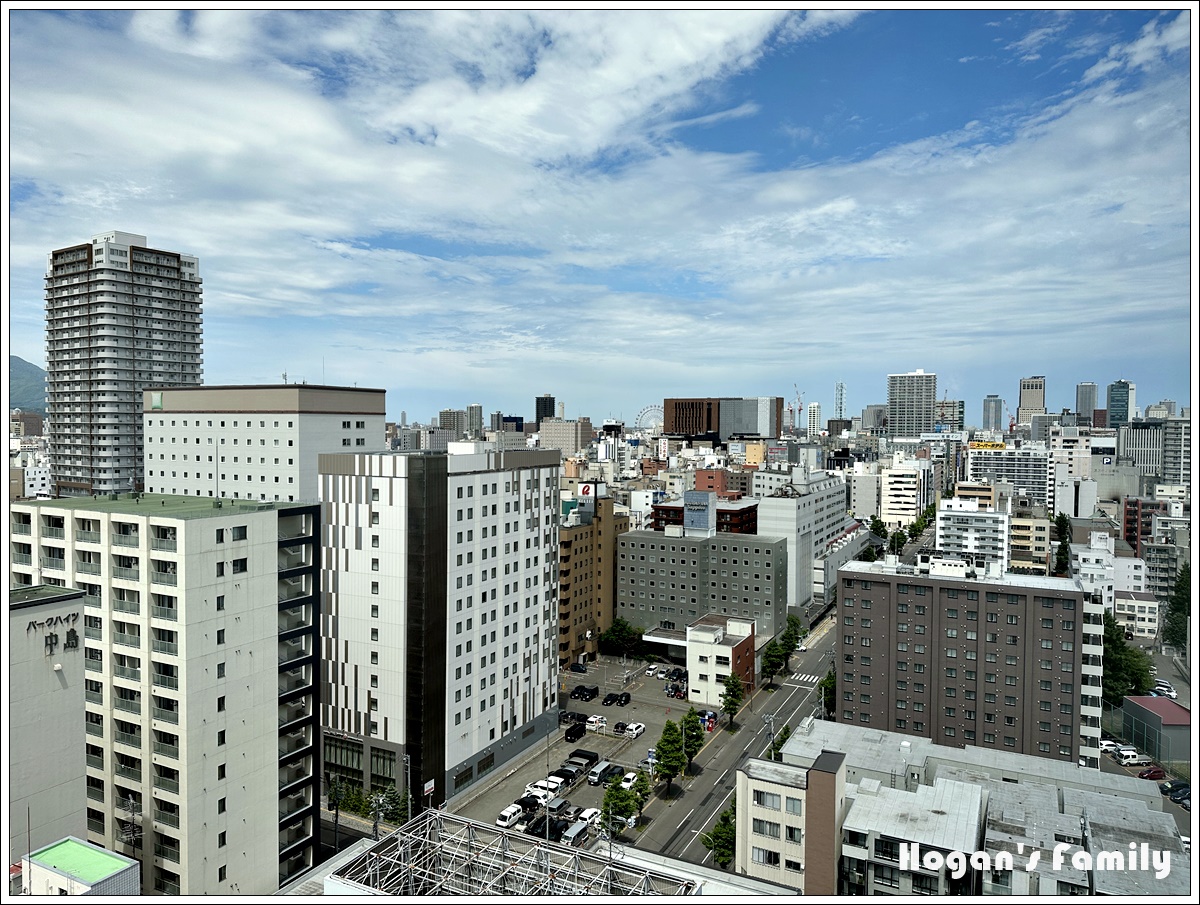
column 799, row 407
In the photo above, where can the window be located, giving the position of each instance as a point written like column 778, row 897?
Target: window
column 239, row 532
column 220, row 737
column 221, row 872
column 220, row 703
column 220, row 602
column 220, row 636
column 220, row 569
column 221, row 839
column 766, row 828
column 795, row 806
column 766, row 799
column 220, row 771
column 239, row 566
column 765, row 856
column 220, row 670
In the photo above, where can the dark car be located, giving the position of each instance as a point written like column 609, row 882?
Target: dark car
column 672, row 690
column 578, row 667
column 591, row 758
column 1171, row 785
column 624, row 698
column 676, row 674
column 544, row 827
column 1153, row 773
column 577, row 692
column 575, row 732
column 619, row 729
column 609, row 699
column 589, row 692
column 1181, row 793
column 528, row 803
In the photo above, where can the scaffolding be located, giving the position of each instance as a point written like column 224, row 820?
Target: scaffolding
column 441, row 854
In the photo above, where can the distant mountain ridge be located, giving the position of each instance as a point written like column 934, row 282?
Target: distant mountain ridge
column 26, row 386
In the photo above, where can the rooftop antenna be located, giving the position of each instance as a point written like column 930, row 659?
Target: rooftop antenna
column 285, row 376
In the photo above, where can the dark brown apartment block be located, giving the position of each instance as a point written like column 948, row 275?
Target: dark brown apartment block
column 992, row 660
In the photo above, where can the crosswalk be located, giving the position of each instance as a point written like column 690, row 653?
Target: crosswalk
column 806, row 678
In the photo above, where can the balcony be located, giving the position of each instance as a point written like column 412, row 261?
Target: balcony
column 22, row 528
column 96, row 761
column 166, row 852
column 127, row 640
column 167, row 716
column 95, row 794
column 129, row 771
column 53, row 562
column 93, row 665
column 168, row 544
column 88, row 568
column 126, row 606
column 50, row 531
column 131, row 673
column 95, row 697
column 165, row 647
column 22, row 559
column 133, row 739
column 170, row 613
column 170, row 818
column 167, row 749
column 167, row 578
column 129, row 706
column 131, row 574
column 166, row 783
column 88, row 537
column 165, row 681
column 126, row 540
column 94, row 632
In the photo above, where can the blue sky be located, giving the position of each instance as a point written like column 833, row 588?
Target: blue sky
column 481, row 207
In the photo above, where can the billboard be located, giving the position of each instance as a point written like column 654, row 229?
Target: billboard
column 987, row 444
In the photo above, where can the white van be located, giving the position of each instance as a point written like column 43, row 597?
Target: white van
column 1133, row 759
column 598, row 771
column 509, row 816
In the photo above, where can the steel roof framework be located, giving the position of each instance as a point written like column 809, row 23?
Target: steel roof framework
column 440, row 854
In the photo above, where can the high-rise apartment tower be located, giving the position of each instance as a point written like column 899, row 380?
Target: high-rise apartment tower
column 120, row 317
column 911, row 399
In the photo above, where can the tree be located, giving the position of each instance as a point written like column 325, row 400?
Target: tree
column 915, row 529
column 669, row 752
column 621, row 638
column 395, row 807
column 878, row 528
column 791, row 636
column 641, row 791
column 618, row 806
column 896, row 544
column 868, row 554
column 772, row 661
column 1062, row 559
column 1062, row 528
column 735, row 693
column 828, row 689
column 1175, row 622
column 721, row 840
column 1126, row 669
column 693, row 735
column 777, row 743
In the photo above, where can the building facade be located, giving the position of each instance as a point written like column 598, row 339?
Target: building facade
column 1122, row 403
column 911, row 404
column 1086, row 402
column 965, row 528
column 120, row 316
column 1027, row 468
column 587, row 575
column 441, row 625
column 1032, row 399
column 254, row 442
column 668, row 580
column 199, row 642
column 993, row 413
column 974, row 658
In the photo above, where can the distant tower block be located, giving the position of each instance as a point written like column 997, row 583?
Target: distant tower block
column 839, row 400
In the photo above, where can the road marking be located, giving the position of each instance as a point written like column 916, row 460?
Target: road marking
column 686, row 819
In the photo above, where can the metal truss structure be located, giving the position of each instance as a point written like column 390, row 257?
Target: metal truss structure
column 440, row 854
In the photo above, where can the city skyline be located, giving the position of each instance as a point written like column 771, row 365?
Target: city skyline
column 607, row 207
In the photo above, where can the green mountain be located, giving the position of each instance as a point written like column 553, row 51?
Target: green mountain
column 26, row 386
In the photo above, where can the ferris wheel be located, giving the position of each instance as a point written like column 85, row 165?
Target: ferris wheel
column 650, row 419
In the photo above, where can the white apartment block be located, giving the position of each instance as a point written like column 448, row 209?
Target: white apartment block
column 911, row 404
column 254, row 442
column 907, row 488
column 440, row 623
column 199, row 647
column 717, row 646
column 1027, row 468
column 1102, row 572
column 966, row 529
column 1137, row 612
column 119, row 317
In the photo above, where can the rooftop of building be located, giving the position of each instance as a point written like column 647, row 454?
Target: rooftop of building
column 722, row 503
column 886, row 754
column 776, row 772
column 30, row 595
column 945, row 815
column 1006, row 579
column 1171, row 713
column 164, row 504
column 75, row 858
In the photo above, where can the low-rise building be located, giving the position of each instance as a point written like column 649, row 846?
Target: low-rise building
column 718, row 646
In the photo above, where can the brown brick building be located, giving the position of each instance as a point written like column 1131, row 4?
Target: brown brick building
column 587, row 571
column 996, row 661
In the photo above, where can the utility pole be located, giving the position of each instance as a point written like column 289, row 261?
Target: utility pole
column 769, row 719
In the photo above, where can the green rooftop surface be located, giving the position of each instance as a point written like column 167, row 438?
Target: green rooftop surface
column 78, row 859
column 173, row 505
column 41, row 592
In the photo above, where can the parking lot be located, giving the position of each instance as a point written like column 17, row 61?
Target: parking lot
column 648, row 704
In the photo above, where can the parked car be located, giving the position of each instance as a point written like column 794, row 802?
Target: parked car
column 1171, row 785
column 1153, row 773
column 574, row 732
column 590, row 815
column 1178, row 795
column 1107, row 746
column 651, row 669
column 609, row 699
column 596, row 722
column 628, row 780
column 618, row 729
column 1168, row 692
column 589, row 692
column 529, row 803
column 633, row 730
column 578, row 667
column 588, row 758
column 676, row 674
column 577, row 692
column 624, row 698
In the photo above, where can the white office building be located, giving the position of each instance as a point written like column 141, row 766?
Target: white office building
column 254, row 442
column 199, row 645
column 1102, row 572
column 119, row 317
column 1027, row 468
column 968, row 529
column 907, row 488
column 911, row 404
column 441, row 623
